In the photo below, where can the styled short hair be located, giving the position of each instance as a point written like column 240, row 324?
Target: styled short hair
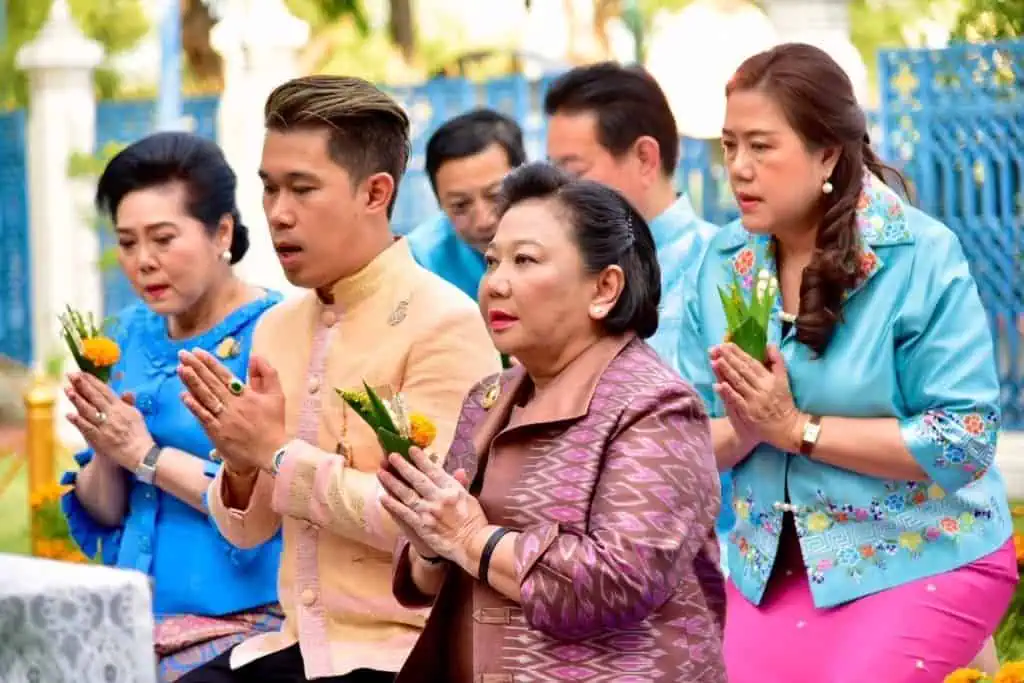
column 170, row 157
column 369, row 131
column 627, row 102
column 607, row 230
column 471, row 133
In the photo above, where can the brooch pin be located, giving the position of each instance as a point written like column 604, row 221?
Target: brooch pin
column 491, row 396
column 228, row 348
column 398, row 315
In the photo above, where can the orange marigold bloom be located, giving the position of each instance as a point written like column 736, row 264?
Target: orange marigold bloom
column 966, row 676
column 1018, row 543
column 422, row 431
column 1012, row 672
column 102, row 352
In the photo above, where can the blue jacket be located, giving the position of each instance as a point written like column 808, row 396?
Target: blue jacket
column 194, row 569
column 914, row 345
column 437, row 247
column 680, row 237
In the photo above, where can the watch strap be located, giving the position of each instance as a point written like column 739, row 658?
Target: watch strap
column 146, row 471
column 812, row 429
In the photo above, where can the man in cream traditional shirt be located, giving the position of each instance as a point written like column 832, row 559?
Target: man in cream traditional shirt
column 294, row 454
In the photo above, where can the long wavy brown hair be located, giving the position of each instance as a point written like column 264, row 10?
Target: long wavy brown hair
column 817, row 99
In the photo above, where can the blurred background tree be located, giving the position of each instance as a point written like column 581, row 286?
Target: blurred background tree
column 118, row 25
column 982, row 20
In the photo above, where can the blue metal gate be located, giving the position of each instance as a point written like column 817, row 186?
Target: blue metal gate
column 15, row 260
column 953, row 120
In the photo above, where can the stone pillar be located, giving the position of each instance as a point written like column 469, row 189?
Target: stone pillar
column 824, row 24
column 259, row 41
column 63, row 240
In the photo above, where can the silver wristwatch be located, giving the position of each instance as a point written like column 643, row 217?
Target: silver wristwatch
column 146, row 471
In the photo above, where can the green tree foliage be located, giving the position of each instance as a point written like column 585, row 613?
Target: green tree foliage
column 118, row 25
column 983, row 20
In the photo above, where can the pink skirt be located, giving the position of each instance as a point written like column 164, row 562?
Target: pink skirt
column 915, row 633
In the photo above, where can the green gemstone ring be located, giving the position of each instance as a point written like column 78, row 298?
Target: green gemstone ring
column 235, row 386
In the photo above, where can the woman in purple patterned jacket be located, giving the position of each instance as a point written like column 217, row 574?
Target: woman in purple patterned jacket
column 570, row 534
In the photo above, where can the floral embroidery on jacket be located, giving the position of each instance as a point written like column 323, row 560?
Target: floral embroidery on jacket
column 855, row 557
column 967, row 441
column 764, row 524
column 880, row 215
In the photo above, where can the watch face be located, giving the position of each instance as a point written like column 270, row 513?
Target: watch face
column 812, row 432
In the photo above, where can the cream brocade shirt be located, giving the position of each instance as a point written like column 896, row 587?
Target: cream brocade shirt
column 399, row 327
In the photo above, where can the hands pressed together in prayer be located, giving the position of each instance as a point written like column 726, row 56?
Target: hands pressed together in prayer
column 433, row 509
column 111, row 424
column 245, row 422
column 757, row 397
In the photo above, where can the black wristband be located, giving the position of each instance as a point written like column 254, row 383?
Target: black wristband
column 485, row 556
column 436, row 559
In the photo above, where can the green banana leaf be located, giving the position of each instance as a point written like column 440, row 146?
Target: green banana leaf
column 752, row 337
column 361, row 409
column 382, row 416
column 733, row 314
column 393, row 443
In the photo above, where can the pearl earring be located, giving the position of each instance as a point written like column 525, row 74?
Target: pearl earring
column 827, row 187
column 598, row 310
column 225, row 256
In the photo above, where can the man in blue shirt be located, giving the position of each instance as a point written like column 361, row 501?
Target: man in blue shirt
column 613, row 124
column 466, row 160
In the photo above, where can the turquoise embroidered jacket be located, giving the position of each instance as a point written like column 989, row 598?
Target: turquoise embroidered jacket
column 915, row 344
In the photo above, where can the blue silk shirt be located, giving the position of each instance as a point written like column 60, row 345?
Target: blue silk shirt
column 437, row 247
column 194, row 569
column 914, row 344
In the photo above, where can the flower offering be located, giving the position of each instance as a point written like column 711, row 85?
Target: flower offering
column 747, row 320
column 396, row 427
column 94, row 352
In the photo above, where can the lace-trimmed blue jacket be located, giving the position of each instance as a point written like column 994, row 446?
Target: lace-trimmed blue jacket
column 194, row 569
column 915, row 344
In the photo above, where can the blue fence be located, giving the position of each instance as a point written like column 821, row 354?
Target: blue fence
column 15, row 274
column 952, row 120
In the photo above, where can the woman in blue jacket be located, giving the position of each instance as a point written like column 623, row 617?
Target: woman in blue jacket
column 139, row 499
column 872, row 538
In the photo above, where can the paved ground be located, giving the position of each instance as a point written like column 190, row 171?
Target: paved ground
column 1010, row 457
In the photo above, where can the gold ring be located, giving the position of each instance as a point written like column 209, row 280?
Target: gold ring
column 217, row 409
column 235, row 386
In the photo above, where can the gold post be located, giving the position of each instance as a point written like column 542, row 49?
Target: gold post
column 40, row 398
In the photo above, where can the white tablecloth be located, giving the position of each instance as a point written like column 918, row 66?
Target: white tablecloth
column 71, row 623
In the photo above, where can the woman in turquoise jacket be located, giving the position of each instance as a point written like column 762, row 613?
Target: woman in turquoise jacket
column 873, row 537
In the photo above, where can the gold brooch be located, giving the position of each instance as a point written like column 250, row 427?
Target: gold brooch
column 398, row 315
column 228, row 348
column 491, row 396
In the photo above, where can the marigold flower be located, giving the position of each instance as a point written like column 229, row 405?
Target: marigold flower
column 1018, row 511
column 102, row 352
column 1012, row 672
column 1018, row 544
column 966, row 676
column 422, row 431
